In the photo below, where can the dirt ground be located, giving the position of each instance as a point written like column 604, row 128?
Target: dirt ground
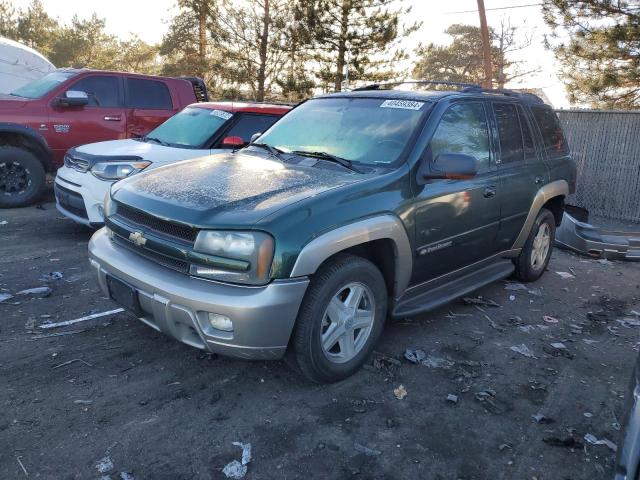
column 111, row 398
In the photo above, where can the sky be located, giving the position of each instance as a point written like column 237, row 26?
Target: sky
column 148, row 19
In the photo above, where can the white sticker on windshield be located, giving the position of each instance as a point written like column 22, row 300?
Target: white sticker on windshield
column 221, row 114
column 405, row 104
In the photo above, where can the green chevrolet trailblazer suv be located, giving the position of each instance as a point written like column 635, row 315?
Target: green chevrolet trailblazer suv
column 352, row 208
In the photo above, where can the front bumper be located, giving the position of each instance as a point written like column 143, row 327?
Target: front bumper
column 82, row 196
column 178, row 305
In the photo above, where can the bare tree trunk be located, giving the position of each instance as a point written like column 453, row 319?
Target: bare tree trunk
column 342, row 44
column 264, row 43
column 202, row 36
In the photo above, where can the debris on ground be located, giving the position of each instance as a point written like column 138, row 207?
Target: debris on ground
column 541, row 418
column 522, row 349
column 480, row 301
column 566, row 442
column 104, row 465
column 70, row 362
column 550, row 319
column 43, row 291
column 26, row 474
column 400, row 392
column 81, row 319
column 51, row 276
column 512, row 297
column 565, row 275
column 593, row 440
column 4, row 222
column 532, row 328
column 505, row 446
column 515, row 286
column 369, row 452
column 487, row 398
column 420, row 357
column 629, row 322
column 5, row 296
column 452, row 398
column 238, row 469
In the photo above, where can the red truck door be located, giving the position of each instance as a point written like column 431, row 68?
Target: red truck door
column 149, row 103
column 103, row 118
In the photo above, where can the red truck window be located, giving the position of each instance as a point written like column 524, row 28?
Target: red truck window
column 103, row 91
column 149, row 94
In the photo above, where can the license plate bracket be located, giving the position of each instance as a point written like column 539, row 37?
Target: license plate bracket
column 124, row 294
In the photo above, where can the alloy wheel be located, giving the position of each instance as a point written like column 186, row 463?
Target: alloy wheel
column 347, row 322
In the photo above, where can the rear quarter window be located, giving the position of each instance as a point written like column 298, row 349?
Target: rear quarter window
column 149, row 94
column 553, row 138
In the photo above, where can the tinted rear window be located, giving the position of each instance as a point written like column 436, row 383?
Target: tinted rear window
column 510, row 133
column 149, row 94
column 249, row 124
column 554, row 141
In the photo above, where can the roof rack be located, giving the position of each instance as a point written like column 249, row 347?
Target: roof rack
column 378, row 86
column 531, row 97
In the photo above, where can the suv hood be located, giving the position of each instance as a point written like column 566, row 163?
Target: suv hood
column 227, row 189
column 154, row 152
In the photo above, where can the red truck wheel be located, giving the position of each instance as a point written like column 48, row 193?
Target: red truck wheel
column 22, row 177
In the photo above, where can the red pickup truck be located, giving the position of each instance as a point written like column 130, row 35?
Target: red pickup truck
column 40, row 121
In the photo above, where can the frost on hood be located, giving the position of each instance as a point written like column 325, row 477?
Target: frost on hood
column 247, row 181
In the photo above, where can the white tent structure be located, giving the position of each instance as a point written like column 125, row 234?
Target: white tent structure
column 19, row 65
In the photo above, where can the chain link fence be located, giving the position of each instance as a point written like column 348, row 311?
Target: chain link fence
column 606, row 146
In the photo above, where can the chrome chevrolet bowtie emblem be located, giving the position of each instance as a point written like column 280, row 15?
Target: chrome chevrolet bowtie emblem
column 137, row 238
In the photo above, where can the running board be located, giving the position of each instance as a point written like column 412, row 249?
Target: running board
column 443, row 293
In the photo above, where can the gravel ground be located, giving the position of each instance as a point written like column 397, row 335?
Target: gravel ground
column 111, row 397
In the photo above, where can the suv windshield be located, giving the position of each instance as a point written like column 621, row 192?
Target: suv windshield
column 42, row 86
column 361, row 130
column 190, row 128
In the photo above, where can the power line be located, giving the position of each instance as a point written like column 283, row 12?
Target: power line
column 498, row 8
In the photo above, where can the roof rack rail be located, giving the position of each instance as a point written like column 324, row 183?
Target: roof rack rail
column 378, row 86
column 532, row 97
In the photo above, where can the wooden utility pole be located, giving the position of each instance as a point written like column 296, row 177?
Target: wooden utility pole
column 486, row 46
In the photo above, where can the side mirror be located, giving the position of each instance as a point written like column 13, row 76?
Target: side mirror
column 232, row 142
column 455, row 166
column 255, row 136
column 74, row 98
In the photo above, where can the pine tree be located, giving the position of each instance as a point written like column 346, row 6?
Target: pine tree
column 363, row 32
column 597, row 43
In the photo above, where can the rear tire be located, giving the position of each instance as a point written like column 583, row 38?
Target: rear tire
column 340, row 320
column 22, row 177
column 535, row 255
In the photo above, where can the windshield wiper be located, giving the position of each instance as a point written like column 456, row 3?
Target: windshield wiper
column 328, row 157
column 157, row 140
column 272, row 150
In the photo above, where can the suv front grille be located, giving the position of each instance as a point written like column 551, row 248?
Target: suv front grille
column 169, row 262
column 135, row 218
column 76, row 163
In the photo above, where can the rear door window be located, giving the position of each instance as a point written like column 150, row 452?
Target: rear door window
column 103, row 90
column 553, row 139
column 248, row 124
column 527, row 137
column 148, row 94
column 509, row 132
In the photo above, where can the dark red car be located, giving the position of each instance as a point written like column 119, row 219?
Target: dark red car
column 40, row 121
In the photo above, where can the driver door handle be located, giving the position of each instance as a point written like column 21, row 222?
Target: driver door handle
column 489, row 192
column 109, row 118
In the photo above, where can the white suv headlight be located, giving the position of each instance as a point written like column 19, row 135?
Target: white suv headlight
column 242, row 257
column 117, row 170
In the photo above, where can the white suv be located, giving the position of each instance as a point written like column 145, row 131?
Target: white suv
column 198, row 130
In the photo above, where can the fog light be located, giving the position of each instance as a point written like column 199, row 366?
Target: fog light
column 220, row 322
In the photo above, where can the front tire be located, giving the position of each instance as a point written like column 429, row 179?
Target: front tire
column 340, row 320
column 22, row 177
column 535, row 255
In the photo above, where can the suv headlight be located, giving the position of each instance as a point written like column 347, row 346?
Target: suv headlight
column 117, row 170
column 242, row 257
